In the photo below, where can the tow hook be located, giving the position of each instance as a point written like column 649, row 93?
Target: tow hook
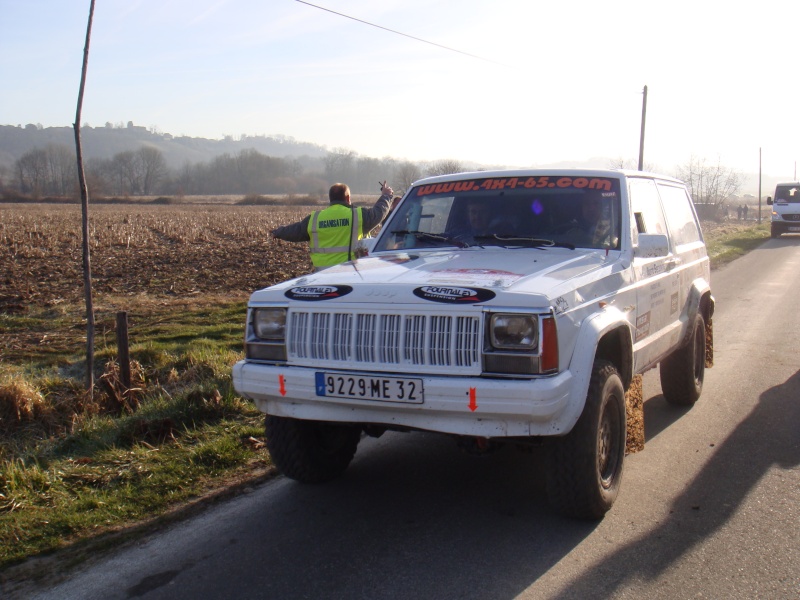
column 477, row 445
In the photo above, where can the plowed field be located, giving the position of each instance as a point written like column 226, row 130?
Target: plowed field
column 162, row 251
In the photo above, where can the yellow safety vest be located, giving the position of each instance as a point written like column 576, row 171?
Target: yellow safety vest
column 333, row 236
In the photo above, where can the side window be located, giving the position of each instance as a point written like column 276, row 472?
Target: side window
column 680, row 214
column 646, row 205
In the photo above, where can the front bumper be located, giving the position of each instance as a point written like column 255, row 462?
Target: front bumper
column 785, row 226
column 472, row 406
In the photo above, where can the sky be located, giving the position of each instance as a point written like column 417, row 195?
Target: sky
column 517, row 83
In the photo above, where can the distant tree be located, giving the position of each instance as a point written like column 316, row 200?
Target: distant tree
column 340, row 165
column 405, row 174
column 368, row 172
column 708, row 183
column 124, row 173
column 445, row 167
column 5, row 177
column 151, row 166
column 630, row 164
column 62, row 178
column 31, row 170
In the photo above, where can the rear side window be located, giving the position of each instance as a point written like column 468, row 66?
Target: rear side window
column 680, row 214
column 646, row 206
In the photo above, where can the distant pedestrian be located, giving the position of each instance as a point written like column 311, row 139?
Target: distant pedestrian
column 744, row 212
column 739, row 213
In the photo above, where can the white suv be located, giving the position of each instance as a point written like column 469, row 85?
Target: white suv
column 785, row 209
column 523, row 326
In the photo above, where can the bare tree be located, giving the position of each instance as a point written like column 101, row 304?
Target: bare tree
column 5, row 177
column 31, row 170
column 61, row 180
column 630, row 164
column 709, row 184
column 340, row 165
column 405, row 174
column 151, row 168
column 124, row 172
column 445, row 167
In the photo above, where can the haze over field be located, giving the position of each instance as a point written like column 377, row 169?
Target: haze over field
column 508, row 83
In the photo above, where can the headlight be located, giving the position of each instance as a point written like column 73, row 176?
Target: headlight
column 513, row 331
column 270, row 323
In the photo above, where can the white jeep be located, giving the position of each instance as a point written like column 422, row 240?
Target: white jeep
column 525, row 326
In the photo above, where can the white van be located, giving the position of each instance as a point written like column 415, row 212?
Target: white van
column 785, row 209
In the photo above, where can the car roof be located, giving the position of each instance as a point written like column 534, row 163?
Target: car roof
column 615, row 173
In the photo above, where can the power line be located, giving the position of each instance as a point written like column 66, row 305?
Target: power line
column 399, row 32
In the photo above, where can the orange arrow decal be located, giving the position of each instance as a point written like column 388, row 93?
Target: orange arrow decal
column 282, row 382
column 473, row 399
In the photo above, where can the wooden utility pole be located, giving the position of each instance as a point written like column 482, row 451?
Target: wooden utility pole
column 87, row 266
column 759, row 185
column 641, row 135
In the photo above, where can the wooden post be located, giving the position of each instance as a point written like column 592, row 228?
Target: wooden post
column 641, row 134
column 87, row 266
column 123, row 350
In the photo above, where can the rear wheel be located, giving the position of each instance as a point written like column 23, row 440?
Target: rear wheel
column 310, row 451
column 683, row 371
column 584, row 468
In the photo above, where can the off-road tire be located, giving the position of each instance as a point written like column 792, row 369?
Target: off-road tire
column 683, row 371
column 310, row 451
column 584, row 468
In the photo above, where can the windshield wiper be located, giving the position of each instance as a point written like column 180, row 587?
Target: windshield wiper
column 436, row 237
column 532, row 242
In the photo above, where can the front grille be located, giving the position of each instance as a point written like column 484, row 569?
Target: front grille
column 795, row 217
column 384, row 340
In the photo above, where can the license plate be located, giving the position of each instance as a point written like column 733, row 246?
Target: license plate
column 365, row 387
column 794, row 228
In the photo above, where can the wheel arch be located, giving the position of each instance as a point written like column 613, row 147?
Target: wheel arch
column 701, row 300
column 605, row 335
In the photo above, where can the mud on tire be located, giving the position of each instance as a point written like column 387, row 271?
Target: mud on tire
column 683, row 371
column 584, row 468
column 310, row 451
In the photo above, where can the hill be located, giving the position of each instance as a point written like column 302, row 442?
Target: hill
column 105, row 142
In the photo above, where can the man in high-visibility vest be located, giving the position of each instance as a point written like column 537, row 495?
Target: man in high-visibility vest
column 334, row 232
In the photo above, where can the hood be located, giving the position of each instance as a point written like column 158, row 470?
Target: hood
column 539, row 274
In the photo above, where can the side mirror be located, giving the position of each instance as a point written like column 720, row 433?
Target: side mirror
column 652, row 245
column 769, row 199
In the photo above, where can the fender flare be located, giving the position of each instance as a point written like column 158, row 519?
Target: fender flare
column 699, row 290
column 592, row 330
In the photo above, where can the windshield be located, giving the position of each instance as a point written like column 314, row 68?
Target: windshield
column 787, row 193
column 535, row 211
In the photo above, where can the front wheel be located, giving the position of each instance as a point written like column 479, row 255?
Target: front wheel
column 310, row 451
column 683, row 371
column 584, row 468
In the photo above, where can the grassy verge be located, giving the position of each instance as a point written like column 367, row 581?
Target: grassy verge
column 77, row 468
column 75, row 471
column 727, row 244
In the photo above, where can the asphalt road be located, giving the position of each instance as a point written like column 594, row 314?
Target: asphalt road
column 709, row 509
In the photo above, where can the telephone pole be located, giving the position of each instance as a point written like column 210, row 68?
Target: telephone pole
column 641, row 135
